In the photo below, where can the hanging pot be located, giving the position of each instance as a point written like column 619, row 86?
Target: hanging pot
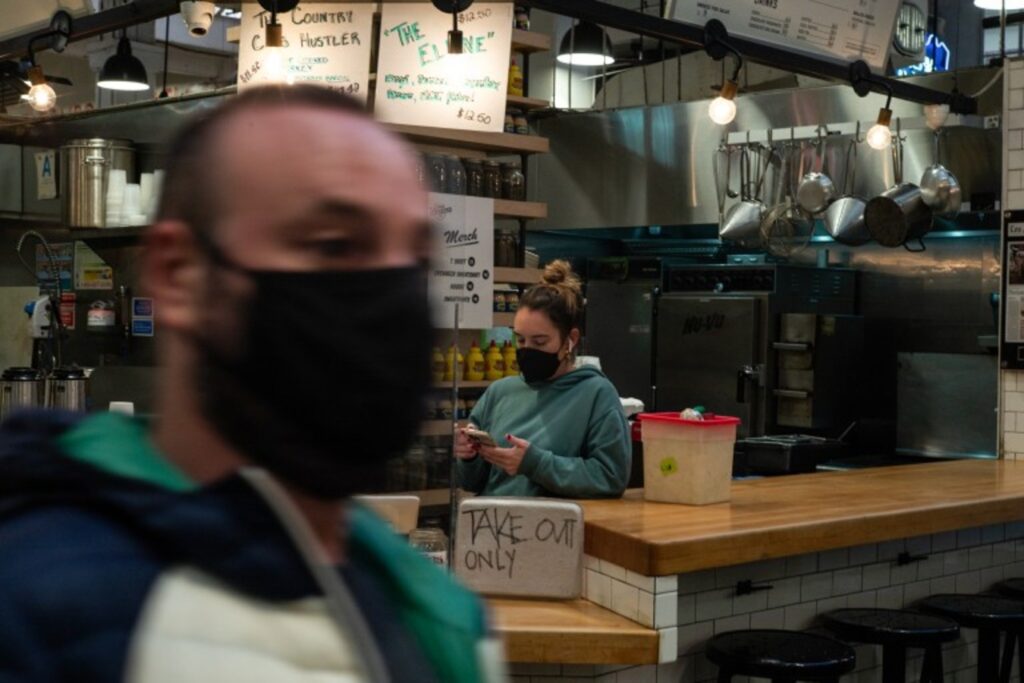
column 899, row 214
column 742, row 223
column 939, row 187
column 816, row 190
column 844, row 218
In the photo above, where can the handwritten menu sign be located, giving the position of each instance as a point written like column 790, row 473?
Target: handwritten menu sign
column 463, row 270
column 419, row 83
column 326, row 43
column 525, row 547
column 844, row 31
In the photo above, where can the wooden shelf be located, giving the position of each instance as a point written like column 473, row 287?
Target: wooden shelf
column 428, row 497
column 471, row 139
column 504, row 319
column 530, row 41
column 517, row 276
column 436, row 428
column 527, row 103
column 507, row 208
column 465, row 384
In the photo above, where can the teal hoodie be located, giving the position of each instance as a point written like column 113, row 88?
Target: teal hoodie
column 579, row 439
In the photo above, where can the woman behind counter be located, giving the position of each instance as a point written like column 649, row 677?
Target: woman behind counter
column 560, row 431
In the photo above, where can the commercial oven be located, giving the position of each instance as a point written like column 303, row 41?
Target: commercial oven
column 719, row 337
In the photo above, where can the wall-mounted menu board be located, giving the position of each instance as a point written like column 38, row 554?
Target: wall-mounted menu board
column 841, row 30
column 420, row 84
column 326, row 43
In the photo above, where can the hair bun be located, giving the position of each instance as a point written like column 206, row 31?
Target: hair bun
column 559, row 274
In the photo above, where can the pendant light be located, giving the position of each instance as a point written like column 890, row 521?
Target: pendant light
column 585, row 44
column 722, row 109
column 41, row 95
column 123, row 70
column 880, row 135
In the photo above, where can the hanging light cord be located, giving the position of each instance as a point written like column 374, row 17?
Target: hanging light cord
column 167, row 49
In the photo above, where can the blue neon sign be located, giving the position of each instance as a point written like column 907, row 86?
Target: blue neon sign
column 936, row 58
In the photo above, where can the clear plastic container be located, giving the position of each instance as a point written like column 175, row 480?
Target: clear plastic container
column 687, row 461
column 432, row 542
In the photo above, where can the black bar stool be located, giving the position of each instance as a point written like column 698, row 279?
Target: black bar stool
column 896, row 630
column 992, row 616
column 780, row 656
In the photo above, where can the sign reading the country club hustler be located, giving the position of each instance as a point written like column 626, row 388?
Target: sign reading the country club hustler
column 419, row 83
column 325, row 43
column 463, row 269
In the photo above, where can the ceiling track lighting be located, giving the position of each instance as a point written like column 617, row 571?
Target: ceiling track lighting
column 585, row 44
column 41, row 96
column 722, row 109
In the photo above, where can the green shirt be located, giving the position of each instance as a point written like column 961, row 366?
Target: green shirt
column 579, row 438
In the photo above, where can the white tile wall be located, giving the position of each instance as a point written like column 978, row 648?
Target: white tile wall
column 1012, row 404
column 865, row 576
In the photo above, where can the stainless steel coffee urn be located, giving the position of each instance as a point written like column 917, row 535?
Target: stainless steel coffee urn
column 85, row 178
column 20, row 388
column 67, row 389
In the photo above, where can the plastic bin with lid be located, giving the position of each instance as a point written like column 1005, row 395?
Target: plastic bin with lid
column 687, row 461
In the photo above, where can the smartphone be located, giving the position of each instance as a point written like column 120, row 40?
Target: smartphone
column 480, row 436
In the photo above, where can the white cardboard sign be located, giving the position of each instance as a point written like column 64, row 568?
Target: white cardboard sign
column 419, row 83
column 843, row 30
column 464, row 261
column 528, row 547
column 326, row 43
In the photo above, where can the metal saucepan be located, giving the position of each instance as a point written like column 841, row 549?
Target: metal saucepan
column 844, row 218
column 742, row 223
column 899, row 214
column 939, row 187
column 816, row 190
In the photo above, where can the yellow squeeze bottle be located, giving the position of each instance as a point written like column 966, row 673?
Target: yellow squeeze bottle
column 508, row 353
column 475, row 365
column 436, row 366
column 452, row 360
column 494, row 364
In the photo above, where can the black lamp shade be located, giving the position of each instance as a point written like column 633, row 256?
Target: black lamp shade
column 589, row 47
column 123, row 71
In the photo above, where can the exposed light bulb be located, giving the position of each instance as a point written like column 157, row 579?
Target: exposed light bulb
column 722, row 109
column 274, row 59
column 586, row 59
column 880, row 135
column 41, row 96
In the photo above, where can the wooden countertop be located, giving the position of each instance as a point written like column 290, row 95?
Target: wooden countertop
column 791, row 515
column 570, row 632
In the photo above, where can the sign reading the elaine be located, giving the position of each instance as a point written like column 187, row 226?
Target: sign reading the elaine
column 525, row 547
column 324, row 42
column 419, row 83
column 844, row 31
column 463, row 271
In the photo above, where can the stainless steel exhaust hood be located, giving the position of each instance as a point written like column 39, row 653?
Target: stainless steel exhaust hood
column 652, row 165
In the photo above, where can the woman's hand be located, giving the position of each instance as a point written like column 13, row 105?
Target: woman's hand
column 507, row 459
column 465, row 448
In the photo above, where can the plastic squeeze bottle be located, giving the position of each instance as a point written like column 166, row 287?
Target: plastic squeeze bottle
column 436, row 366
column 494, row 363
column 508, row 353
column 475, row 366
column 452, row 360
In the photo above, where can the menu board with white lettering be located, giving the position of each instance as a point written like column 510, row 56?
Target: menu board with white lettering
column 463, row 269
column 844, row 30
column 419, row 83
column 326, row 43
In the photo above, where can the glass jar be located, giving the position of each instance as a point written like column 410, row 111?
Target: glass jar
column 492, row 178
column 474, row 177
column 499, row 296
column 416, row 468
column 456, row 180
column 522, row 17
column 513, row 182
column 506, row 251
column 512, row 301
column 510, row 121
column 431, row 540
column 520, row 125
column 437, row 172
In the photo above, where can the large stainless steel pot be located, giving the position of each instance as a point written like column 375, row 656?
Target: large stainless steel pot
column 898, row 216
column 20, row 388
column 67, row 389
column 85, row 173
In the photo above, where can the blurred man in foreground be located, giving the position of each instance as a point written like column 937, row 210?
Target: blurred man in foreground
column 287, row 269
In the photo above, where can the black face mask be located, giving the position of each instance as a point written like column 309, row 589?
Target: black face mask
column 327, row 378
column 536, row 365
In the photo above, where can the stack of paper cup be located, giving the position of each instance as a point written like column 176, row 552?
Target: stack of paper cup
column 132, row 212
column 116, row 183
column 146, row 193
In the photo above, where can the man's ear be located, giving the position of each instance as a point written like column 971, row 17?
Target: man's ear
column 171, row 274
